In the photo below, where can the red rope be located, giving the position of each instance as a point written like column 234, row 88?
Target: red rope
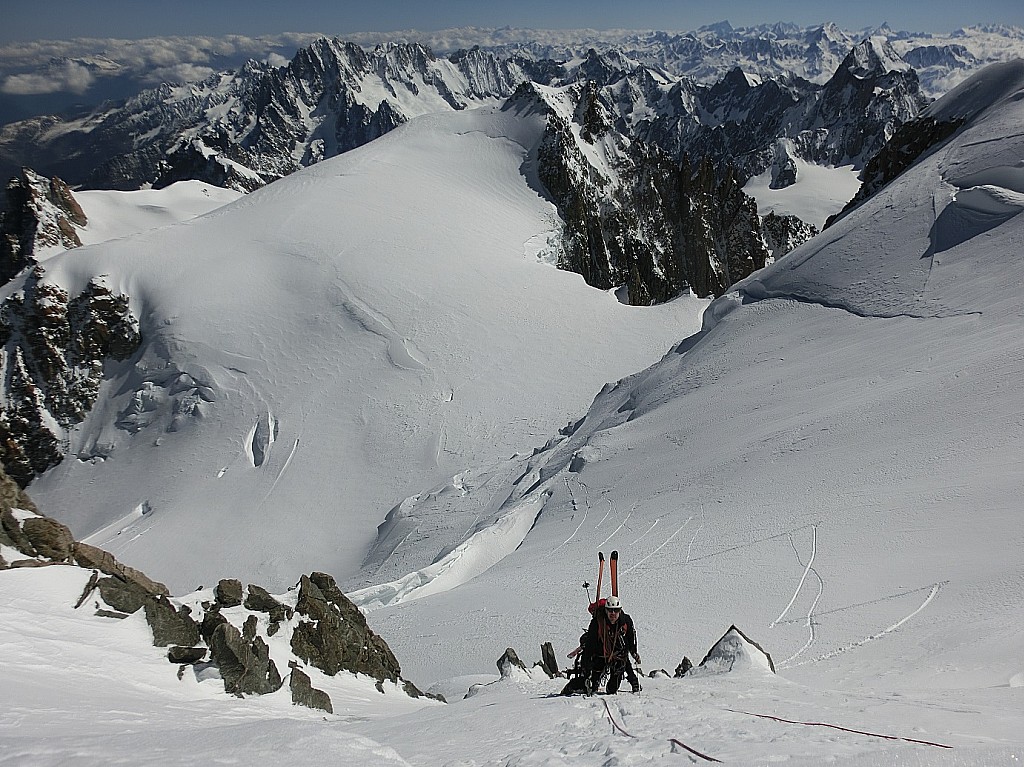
column 844, row 729
column 612, row 720
column 670, row 740
column 694, row 751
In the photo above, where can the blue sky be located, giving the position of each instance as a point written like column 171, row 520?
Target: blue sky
column 64, row 19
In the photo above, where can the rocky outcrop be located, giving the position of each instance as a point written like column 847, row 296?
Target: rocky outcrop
column 332, row 634
column 782, row 233
column 784, row 169
column 40, row 213
column 170, row 625
column 185, row 655
column 327, row 631
column 683, row 668
column 131, row 586
column 646, row 222
column 735, row 651
column 303, row 692
column 508, row 662
column 259, row 599
column 245, row 665
column 49, row 539
column 228, row 592
column 548, row 662
column 53, row 347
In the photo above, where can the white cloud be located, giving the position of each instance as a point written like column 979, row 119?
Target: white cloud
column 177, row 73
column 53, row 66
column 66, row 76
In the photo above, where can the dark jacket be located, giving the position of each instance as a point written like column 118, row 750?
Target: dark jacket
column 605, row 639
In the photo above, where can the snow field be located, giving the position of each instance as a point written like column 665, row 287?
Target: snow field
column 379, row 309
column 818, row 193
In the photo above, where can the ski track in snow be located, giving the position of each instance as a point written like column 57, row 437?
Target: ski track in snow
column 621, row 525
column 689, row 549
column 633, row 543
column 935, row 588
column 288, row 460
column 664, row 543
column 750, row 544
column 811, row 633
column 807, row 569
column 611, row 508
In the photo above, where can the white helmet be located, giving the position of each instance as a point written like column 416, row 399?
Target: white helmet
column 613, row 603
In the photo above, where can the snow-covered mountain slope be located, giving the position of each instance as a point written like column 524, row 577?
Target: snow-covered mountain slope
column 833, row 464
column 113, row 214
column 120, row 701
column 322, row 348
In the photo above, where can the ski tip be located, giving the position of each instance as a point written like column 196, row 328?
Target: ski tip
column 615, row 555
column 600, row 555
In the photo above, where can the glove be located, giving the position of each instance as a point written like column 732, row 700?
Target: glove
column 636, row 657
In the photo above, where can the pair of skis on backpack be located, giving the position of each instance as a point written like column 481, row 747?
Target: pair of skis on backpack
column 613, row 573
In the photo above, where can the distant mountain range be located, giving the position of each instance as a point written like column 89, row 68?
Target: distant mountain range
column 330, row 95
column 767, row 50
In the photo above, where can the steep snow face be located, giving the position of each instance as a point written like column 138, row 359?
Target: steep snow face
column 320, row 349
column 833, row 464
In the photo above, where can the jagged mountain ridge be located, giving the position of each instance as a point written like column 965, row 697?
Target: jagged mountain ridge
column 647, row 171
column 766, row 50
column 243, row 129
column 751, row 124
column 654, row 221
